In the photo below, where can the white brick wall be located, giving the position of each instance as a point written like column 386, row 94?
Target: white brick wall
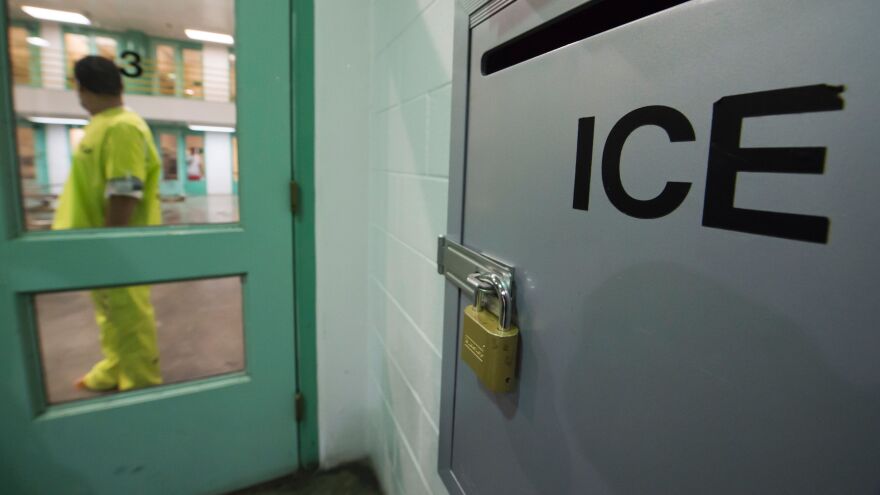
column 409, row 155
column 382, row 120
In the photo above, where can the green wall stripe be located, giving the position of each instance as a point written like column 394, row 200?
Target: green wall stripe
column 11, row 216
column 40, row 156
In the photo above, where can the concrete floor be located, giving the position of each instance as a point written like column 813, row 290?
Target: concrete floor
column 198, row 324
column 351, row 479
column 201, row 209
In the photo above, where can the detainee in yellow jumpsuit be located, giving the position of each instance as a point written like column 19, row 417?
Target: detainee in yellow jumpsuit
column 114, row 181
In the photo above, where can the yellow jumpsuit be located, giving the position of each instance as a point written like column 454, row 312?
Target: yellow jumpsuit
column 117, row 157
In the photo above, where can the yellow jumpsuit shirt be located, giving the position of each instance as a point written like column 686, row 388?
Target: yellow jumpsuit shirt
column 117, row 157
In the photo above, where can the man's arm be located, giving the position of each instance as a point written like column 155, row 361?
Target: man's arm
column 124, row 162
column 119, row 210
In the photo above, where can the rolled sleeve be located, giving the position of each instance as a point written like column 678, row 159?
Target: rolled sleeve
column 125, row 186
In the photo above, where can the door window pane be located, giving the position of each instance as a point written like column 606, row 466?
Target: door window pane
column 235, row 159
column 76, row 46
column 232, row 76
column 126, row 338
column 37, row 197
column 195, row 158
column 192, row 73
column 26, row 154
column 106, row 47
column 171, row 84
column 168, row 149
column 20, row 55
column 166, row 69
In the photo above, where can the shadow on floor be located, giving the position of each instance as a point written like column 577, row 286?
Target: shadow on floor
column 350, row 479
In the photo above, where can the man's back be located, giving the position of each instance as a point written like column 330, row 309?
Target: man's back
column 116, row 156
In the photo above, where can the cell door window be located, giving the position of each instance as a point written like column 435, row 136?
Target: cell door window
column 26, row 154
column 106, row 47
column 195, row 158
column 166, row 70
column 20, row 54
column 36, row 201
column 193, row 85
column 76, row 46
column 232, row 76
column 235, row 159
column 168, row 151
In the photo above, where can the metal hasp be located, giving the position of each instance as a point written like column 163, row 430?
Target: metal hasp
column 489, row 339
column 464, row 267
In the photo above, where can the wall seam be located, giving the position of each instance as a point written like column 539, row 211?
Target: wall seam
column 427, row 92
column 400, row 433
column 429, row 176
column 406, row 315
column 422, row 408
column 405, row 27
column 378, row 227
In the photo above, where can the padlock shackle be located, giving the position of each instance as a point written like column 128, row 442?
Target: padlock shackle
column 481, row 290
column 502, row 290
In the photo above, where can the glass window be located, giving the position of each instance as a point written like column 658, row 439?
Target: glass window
column 76, row 46
column 173, row 332
column 37, row 199
column 168, row 150
column 195, row 157
column 191, row 165
column 235, row 159
column 232, row 77
column 20, row 53
column 192, row 73
column 26, row 153
column 166, row 70
column 106, row 47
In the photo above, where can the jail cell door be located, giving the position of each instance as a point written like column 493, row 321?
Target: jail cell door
column 224, row 416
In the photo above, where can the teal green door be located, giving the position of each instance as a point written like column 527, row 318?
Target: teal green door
column 203, row 436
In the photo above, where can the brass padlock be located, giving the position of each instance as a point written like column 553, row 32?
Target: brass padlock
column 489, row 343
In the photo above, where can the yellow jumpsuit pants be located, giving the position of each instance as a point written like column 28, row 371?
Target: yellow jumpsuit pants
column 128, row 340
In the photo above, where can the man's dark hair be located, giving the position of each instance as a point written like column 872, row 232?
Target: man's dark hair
column 98, row 75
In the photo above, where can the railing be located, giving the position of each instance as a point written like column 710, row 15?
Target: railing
column 141, row 76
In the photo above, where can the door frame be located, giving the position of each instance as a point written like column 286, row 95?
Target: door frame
column 303, row 172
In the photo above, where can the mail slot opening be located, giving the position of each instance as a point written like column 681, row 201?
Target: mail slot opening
column 581, row 23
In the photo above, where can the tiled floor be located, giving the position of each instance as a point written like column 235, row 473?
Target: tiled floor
column 351, row 479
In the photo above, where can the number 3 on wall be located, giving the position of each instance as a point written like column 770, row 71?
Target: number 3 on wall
column 133, row 59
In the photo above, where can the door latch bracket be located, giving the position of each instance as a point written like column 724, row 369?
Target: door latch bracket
column 457, row 263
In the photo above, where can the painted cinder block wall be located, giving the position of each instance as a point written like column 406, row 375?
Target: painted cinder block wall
column 383, row 208
column 342, row 105
column 409, row 163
